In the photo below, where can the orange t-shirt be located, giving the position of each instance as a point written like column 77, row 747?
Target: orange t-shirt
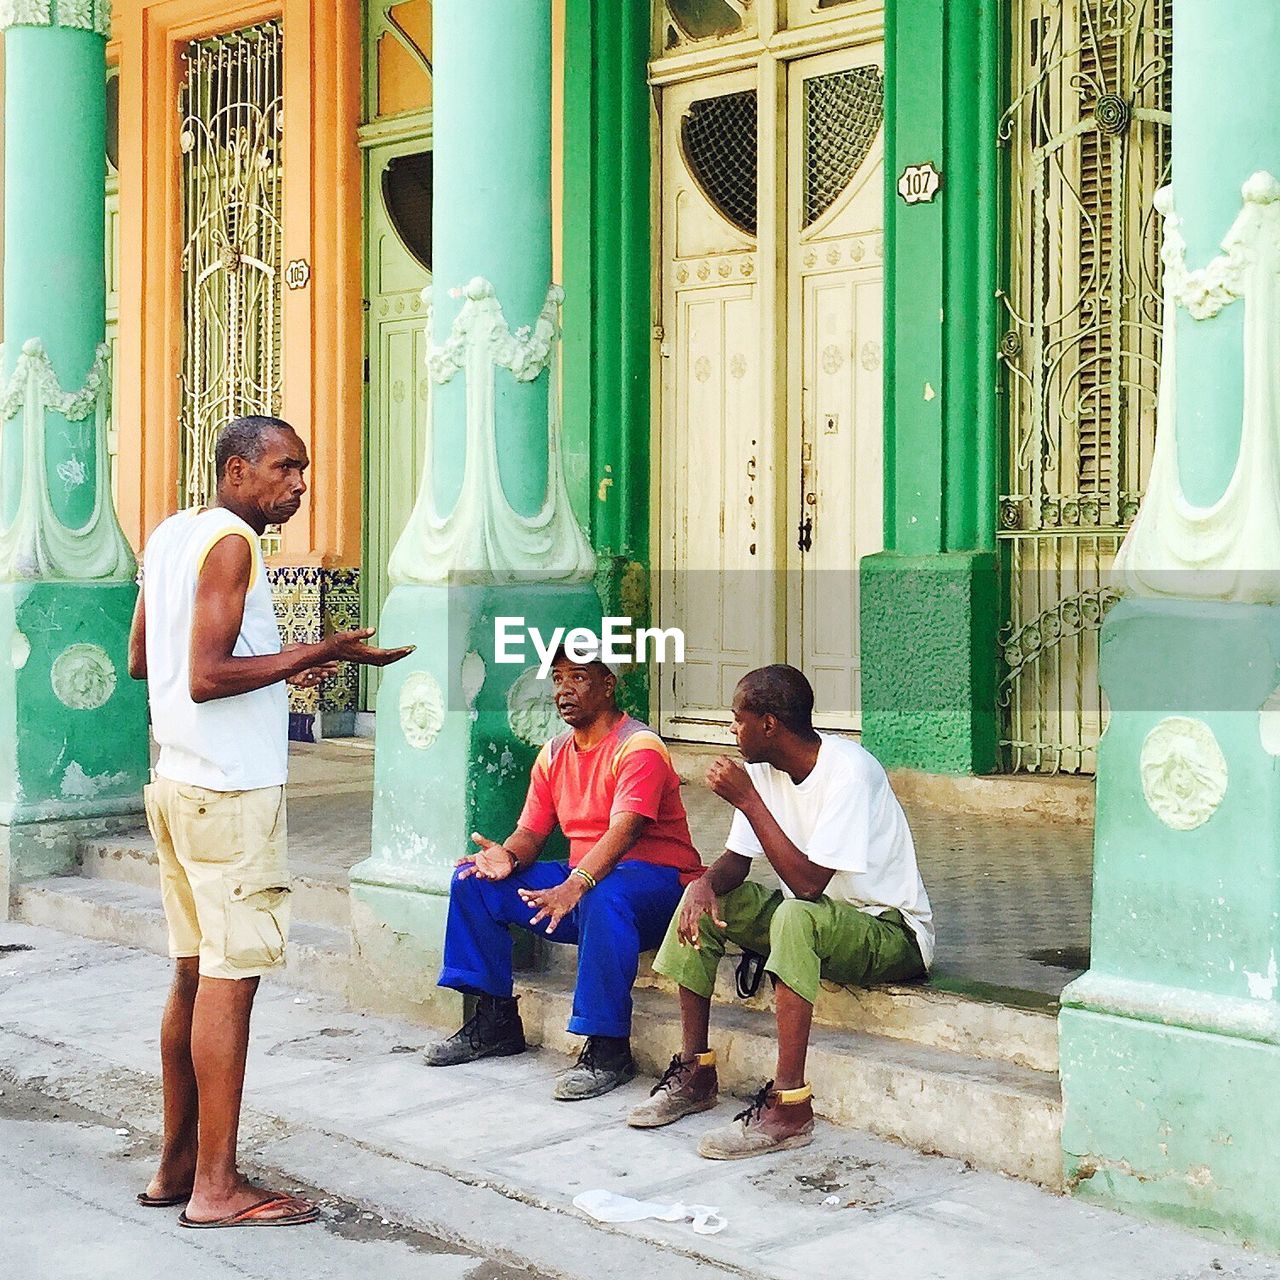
column 628, row 771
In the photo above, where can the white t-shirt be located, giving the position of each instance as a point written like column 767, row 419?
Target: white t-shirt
column 845, row 817
column 229, row 744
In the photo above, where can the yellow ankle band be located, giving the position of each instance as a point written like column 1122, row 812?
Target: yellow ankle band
column 707, row 1059
column 785, row 1097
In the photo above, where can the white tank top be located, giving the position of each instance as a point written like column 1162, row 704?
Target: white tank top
column 230, row 744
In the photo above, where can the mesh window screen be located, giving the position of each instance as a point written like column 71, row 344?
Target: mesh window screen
column 842, row 115
column 718, row 139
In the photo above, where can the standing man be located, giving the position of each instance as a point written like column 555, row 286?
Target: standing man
column 205, row 638
column 607, row 782
column 851, row 907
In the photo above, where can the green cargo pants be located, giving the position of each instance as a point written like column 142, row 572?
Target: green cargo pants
column 802, row 941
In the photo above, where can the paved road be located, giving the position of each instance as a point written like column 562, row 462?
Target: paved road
column 67, row 1182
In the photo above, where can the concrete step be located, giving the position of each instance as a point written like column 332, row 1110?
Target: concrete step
column 131, row 915
column 994, row 1115
column 1023, row 795
column 919, row 1013
column 131, row 859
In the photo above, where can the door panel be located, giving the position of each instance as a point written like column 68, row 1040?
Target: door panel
column 396, row 397
column 835, row 109
column 715, row 456
column 767, row 511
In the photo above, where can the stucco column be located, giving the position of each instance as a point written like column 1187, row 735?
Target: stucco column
column 1171, row 1041
column 932, row 705
column 73, row 741
column 493, row 532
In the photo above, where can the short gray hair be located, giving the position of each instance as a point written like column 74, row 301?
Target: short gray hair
column 244, row 438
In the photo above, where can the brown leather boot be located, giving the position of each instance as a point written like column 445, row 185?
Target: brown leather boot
column 688, row 1085
column 776, row 1120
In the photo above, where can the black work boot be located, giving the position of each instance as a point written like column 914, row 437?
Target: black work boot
column 493, row 1031
column 604, row 1063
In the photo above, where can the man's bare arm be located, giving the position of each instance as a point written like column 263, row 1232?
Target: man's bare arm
column 138, row 641
column 731, row 782
column 216, row 672
column 623, row 831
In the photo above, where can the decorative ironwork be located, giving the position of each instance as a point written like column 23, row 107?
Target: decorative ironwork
column 843, row 113
column 718, row 139
column 231, row 108
column 1088, row 132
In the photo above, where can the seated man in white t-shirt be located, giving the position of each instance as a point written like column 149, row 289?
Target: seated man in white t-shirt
column 851, row 908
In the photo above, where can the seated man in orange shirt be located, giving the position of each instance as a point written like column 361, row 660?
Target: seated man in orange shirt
column 608, row 784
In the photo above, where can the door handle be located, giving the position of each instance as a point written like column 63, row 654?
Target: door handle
column 805, row 540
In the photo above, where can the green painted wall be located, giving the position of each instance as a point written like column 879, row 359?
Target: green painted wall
column 933, row 707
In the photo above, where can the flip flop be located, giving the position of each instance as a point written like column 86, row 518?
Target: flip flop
column 162, row 1202
column 258, row 1215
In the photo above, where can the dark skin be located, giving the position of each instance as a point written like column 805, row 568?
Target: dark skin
column 205, row 1031
column 584, row 697
column 762, row 739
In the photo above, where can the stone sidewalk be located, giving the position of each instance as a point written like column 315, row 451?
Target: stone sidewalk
column 482, row 1158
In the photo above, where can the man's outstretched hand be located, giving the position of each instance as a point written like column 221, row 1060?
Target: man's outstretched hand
column 491, row 861
column 350, row 646
column 312, row 676
column 554, row 904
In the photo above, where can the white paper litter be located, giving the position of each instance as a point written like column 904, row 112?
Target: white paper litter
column 607, row 1206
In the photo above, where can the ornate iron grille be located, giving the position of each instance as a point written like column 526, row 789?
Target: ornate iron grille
column 232, row 120
column 1088, row 131
column 843, row 113
column 718, row 139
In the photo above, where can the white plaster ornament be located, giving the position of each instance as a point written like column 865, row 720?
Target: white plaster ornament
column 36, row 544
column 483, row 538
column 421, row 709
column 83, row 677
column 531, row 709
column 1184, row 773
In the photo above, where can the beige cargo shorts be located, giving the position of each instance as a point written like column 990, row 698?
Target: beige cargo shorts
column 224, row 875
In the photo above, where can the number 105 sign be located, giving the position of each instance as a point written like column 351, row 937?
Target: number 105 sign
column 919, row 183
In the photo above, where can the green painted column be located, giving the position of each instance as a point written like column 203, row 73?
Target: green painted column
column 494, row 145
column 930, row 703
column 608, row 339
column 1210, row 166
column 73, row 737
column 493, row 534
column 1170, row 1043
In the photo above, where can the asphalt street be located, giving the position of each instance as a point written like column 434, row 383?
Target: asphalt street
column 67, row 1183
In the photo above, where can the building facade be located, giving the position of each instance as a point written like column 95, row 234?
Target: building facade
column 830, row 331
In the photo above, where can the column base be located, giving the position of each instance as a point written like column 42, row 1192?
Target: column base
column 33, row 850
column 1172, row 1122
column 928, row 627
column 73, row 725
column 1170, row 1044
column 457, row 734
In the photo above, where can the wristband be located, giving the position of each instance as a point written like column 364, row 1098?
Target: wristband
column 585, row 876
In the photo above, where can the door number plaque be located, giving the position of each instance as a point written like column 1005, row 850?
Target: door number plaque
column 919, row 183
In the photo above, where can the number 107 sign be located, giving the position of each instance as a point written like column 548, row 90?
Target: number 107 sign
column 919, row 183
